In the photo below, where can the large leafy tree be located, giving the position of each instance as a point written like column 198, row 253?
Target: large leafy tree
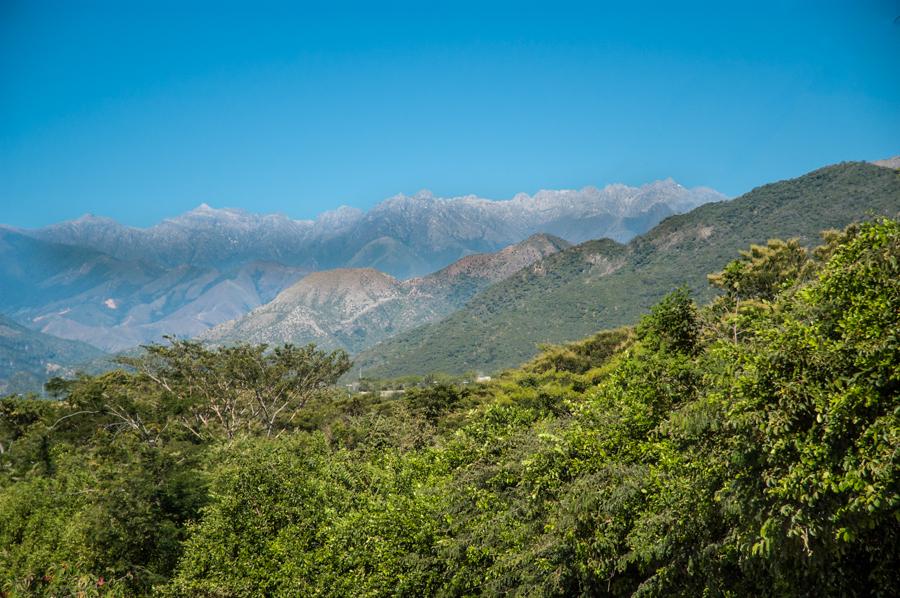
column 241, row 388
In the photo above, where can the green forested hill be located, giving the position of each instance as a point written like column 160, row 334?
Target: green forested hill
column 600, row 284
column 28, row 358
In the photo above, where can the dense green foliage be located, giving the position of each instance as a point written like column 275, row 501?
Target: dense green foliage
column 98, row 488
column 748, row 447
column 600, row 284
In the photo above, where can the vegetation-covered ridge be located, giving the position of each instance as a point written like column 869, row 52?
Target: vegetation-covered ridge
column 28, row 358
column 748, row 447
column 595, row 285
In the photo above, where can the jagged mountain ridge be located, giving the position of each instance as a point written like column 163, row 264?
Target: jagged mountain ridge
column 355, row 308
column 601, row 284
column 404, row 236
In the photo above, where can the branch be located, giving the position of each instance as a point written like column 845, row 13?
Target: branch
column 57, row 422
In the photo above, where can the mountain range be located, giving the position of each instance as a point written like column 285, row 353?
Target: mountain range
column 403, row 236
column 604, row 284
column 500, row 277
column 114, row 286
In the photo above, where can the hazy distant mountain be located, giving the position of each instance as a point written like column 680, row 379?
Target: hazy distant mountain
column 203, row 237
column 184, row 301
column 82, row 294
column 115, row 286
column 29, row 358
column 355, row 308
column 411, row 235
column 403, row 236
column 603, row 284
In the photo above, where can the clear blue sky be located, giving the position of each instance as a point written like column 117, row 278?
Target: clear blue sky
column 140, row 111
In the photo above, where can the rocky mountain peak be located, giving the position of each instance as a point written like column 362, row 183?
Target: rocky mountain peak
column 329, row 285
column 204, row 213
column 93, row 219
column 339, row 217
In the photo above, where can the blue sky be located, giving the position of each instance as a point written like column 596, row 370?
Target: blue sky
column 140, row 111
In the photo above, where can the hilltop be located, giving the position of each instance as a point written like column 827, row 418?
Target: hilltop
column 354, row 308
